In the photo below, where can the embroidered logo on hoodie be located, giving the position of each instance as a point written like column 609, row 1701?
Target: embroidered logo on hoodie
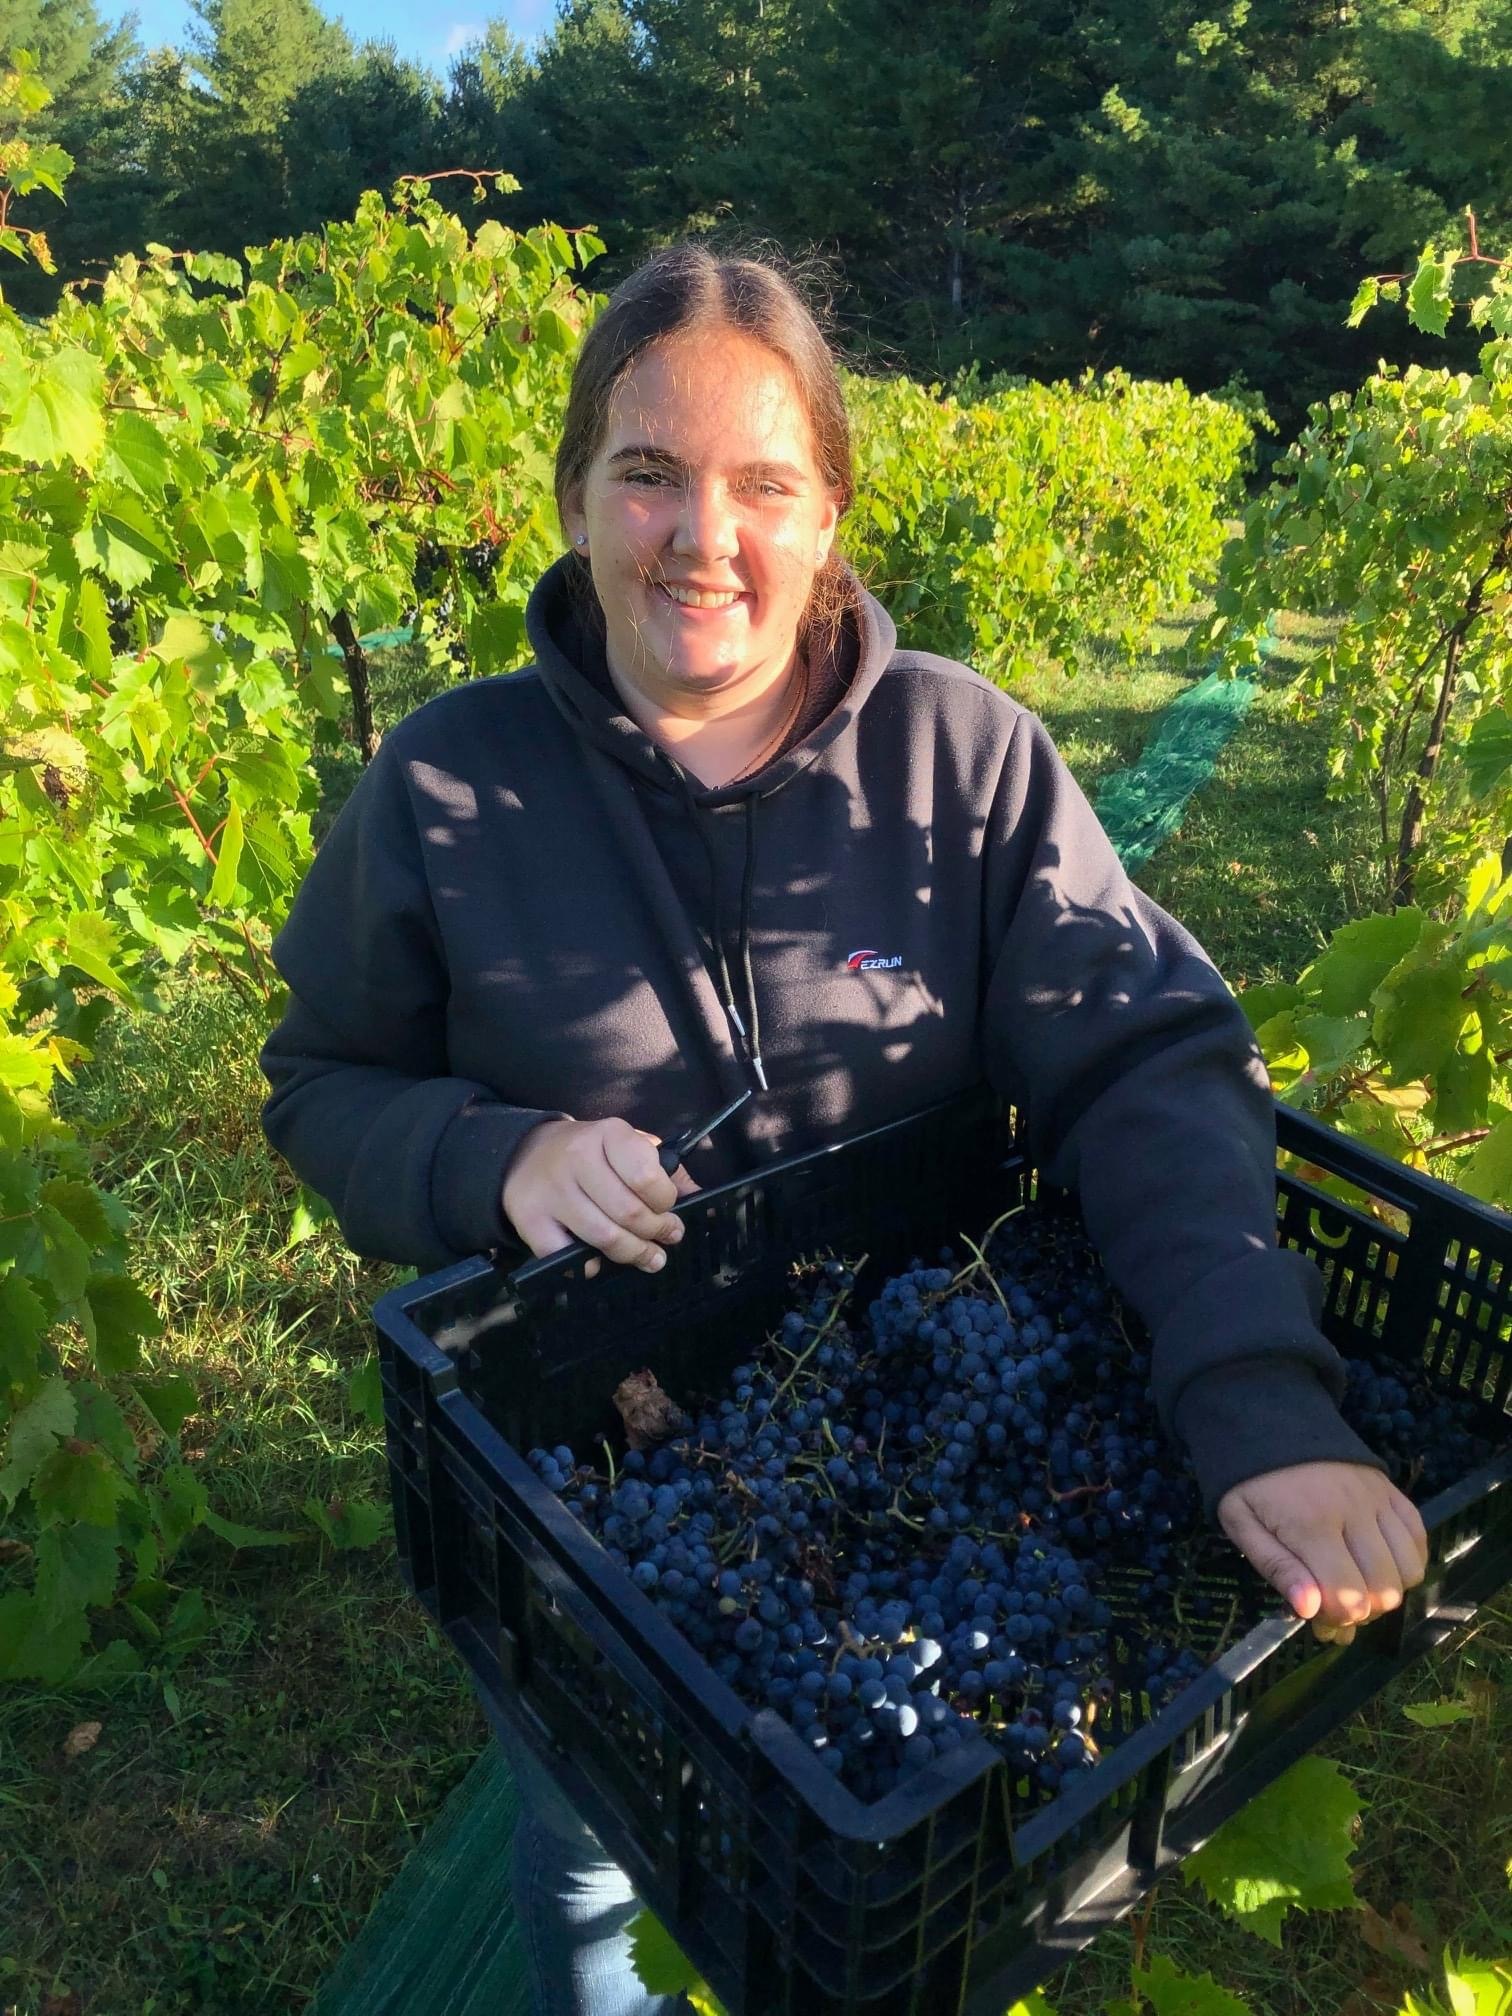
column 869, row 960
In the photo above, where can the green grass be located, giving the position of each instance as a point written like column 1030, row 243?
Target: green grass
column 219, row 1858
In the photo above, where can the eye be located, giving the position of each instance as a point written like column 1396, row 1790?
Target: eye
column 645, row 476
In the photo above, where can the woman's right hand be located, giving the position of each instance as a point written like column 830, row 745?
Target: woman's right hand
column 599, row 1181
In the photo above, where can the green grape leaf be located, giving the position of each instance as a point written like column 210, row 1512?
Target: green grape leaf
column 248, row 1536
column 101, row 1420
column 286, row 579
column 1342, row 980
column 35, row 1428
column 1488, row 1172
column 123, row 1315
column 310, row 1211
column 136, row 454
column 1366, row 295
column 77, row 1568
column 186, row 641
column 170, row 1401
column 365, row 1390
column 32, row 1648
column 1282, row 1048
column 349, row 1523
column 23, row 1324
column 216, row 267
column 91, row 943
column 86, row 628
column 1486, row 755
column 1430, row 299
column 80, row 1204
column 228, row 859
column 1471, row 1988
column 164, row 914
column 65, row 1257
column 1437, row 1714
column 1420, row 1012
column 122, row 542
column 1261, row 1003
column 1462, row 1088
column 180, row 1503
column 662, row 1968
column 1479, row 1987
column 81, row 1482
column 56, row 407
column 495, row 638
column 1288, row 1849
column 1169, row 1992
column 1331, row 1040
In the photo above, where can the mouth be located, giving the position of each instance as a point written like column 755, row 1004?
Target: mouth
column 711, row 610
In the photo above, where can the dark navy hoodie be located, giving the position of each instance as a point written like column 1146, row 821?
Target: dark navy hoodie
column 528, row 909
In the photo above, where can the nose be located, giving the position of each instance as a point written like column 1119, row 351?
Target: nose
column 706, row 524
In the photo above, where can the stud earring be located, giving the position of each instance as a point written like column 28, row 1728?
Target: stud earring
column 581, row 540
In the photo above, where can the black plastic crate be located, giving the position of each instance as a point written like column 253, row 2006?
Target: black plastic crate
column 963, row 1888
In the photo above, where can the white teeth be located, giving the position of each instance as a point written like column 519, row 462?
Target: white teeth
column 696, row 601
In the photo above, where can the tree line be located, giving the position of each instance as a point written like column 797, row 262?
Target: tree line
column 1180, row 188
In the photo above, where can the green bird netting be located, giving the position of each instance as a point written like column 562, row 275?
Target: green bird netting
column 1142, row 806
column 442, row 1940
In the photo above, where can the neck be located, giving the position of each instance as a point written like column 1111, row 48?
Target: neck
column 717, row 742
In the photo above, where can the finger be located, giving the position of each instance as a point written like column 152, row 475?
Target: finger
column 686, row 1187
column 1377, row 1564
column 618, row 1201
column 1410, row 1517
column 543, row 1235
column 1409, row 1555
column 632, row 1157
column 1345, row 1585
column 1332, row 1634
column 587, row 1221
column 1285, row 1571
column 550, row 1235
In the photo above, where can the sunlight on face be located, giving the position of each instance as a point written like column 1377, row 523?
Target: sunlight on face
column 705, row 481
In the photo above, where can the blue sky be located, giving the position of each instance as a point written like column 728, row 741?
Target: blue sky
column 430, row 34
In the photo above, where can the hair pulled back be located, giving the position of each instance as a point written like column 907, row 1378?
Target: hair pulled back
column 680, row 290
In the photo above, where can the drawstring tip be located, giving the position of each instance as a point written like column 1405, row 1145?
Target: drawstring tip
column 760, row 1070
column 734, row 1014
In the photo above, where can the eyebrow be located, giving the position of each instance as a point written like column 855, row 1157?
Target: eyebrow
column 639, row 452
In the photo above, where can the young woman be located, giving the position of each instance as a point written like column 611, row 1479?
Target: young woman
column 726, row 831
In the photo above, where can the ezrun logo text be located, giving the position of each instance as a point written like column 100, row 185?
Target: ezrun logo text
column 869, row 960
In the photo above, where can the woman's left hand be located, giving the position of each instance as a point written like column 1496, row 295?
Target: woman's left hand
column 1338, row 1540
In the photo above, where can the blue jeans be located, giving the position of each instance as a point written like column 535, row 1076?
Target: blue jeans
column 574, row 1905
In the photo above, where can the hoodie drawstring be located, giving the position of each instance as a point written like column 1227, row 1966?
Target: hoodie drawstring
column 751, row 1037
column 747, row 883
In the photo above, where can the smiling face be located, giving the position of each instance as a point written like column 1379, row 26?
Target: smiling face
column 704, row 486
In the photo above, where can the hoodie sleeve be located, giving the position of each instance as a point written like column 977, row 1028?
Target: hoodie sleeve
column 363, row 1106
column 1145, row 1092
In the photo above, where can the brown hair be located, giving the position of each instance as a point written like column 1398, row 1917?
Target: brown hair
column 687, row 287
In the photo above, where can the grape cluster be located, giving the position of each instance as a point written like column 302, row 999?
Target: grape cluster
column 1424, row 1437
column 433, row 562
column 900, row 1528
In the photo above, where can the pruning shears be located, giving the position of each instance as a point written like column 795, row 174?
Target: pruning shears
column 669, row 1154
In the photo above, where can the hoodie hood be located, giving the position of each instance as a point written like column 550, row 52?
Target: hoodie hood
column 565, row 628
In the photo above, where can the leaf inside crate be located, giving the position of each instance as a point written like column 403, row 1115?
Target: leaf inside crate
column 650, row 1415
